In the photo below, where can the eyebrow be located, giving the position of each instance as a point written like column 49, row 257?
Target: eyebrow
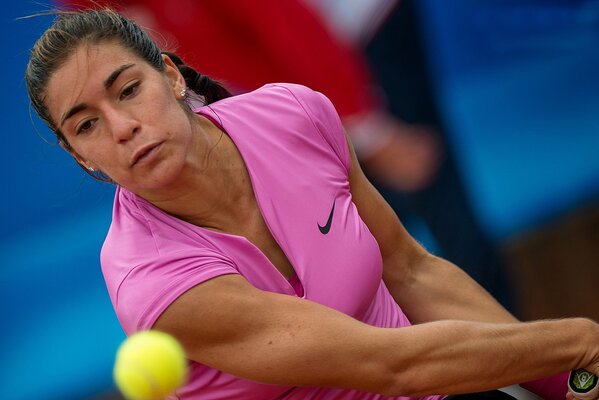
column 107, row 84
column 115, row 74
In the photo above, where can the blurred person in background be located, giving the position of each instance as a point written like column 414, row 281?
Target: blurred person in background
column 388, row 109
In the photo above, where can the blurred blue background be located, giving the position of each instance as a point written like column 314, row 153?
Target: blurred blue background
column 519, row 86
column 59, row 332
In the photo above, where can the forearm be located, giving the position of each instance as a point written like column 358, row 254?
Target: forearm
column 433, row 289
column 442, row 291
column 459, row 357
column 229, row 325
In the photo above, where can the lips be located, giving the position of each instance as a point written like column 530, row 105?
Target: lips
column 144, row 151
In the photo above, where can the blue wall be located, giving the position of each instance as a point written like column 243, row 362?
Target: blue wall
column 518, row 82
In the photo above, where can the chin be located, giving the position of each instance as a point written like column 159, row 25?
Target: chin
column 161, row 177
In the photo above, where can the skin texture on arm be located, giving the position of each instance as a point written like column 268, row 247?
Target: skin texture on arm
column 428, row 288
column 228, row 324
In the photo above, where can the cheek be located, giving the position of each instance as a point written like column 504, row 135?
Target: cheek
column 179, row 126
column 100, row 155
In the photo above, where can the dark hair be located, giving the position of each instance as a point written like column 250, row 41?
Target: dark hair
column 73, row 28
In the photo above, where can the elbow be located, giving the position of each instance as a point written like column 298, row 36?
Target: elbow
column 402, row 383
column 391, row 376
column 405, row 383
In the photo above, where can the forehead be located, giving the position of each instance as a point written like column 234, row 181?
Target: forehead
column 84, row 72
column 88, row 60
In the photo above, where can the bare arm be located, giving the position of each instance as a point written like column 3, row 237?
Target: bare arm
column 428, row 288
column 228, row 324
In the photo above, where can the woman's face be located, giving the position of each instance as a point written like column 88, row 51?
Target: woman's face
column 121, row 116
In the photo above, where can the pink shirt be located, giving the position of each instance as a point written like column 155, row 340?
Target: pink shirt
column 292, row 143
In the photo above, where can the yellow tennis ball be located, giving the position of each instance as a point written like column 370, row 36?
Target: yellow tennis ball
column 149, row 365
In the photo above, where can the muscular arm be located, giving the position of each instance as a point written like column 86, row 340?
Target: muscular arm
column 428, row 288
column 228, row 324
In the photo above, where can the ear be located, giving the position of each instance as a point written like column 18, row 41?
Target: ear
column 77, row 157
column 174, row 76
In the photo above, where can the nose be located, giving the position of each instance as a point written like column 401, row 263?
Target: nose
column 122, row 126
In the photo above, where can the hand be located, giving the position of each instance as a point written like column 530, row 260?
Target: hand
column 586, row 379
column 570, row 396
column 587, row 376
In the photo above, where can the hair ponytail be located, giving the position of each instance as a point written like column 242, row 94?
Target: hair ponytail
column 200, row 84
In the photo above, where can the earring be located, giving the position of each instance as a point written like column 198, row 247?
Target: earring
column 183, row 92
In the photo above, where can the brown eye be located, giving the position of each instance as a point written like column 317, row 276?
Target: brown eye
column 86, row 126
column 129, row 91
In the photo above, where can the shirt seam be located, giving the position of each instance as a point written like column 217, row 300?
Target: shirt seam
column 192, row 282
column 346, row 167
column 144, row 216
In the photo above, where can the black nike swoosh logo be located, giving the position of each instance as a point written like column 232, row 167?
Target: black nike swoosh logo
column 325, row 229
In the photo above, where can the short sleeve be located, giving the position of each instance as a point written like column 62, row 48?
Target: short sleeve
column 325, row 118
column 149, row 289
column 148, row 263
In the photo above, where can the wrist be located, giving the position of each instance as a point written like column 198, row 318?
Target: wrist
column 588, row 332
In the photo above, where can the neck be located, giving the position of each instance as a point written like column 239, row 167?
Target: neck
column 211, row 190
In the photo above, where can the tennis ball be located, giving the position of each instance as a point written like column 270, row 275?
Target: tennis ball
column 149, row 365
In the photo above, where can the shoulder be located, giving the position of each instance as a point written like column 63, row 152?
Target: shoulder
column 322, row 114
column 284, row 107
column 129, row 242
column 149, row 258
column 305, row 96
column 140, row 232
column 130, row 228
column 282, row 94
